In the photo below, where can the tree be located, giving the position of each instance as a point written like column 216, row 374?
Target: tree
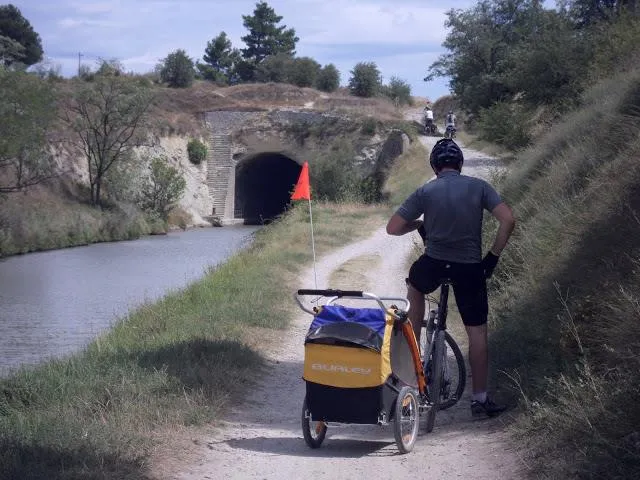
column 399, row 91
column 10, row 51
column 265, row 37
column 18, row 29
column 26, row 111
column 503, row 49
column 108, row 117
column 219, row 60
column 243, row 71
column 303, row 72
column 276, row 68
column 589, row 12
column 110, row 67
column 178, row 69
column 481, row 44
column 48, row 70
column 164, row 188
column 328, row 78
column 365, row 80
column 553, row 64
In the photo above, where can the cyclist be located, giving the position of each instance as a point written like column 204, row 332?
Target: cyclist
column 451, row 119
column 453, row 205
column 428, row 118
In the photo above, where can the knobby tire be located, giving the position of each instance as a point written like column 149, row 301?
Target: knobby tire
column 435, row 382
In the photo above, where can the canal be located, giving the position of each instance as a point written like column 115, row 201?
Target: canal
column 54, row 303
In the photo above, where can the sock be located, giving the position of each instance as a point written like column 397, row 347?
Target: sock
column 479, row 397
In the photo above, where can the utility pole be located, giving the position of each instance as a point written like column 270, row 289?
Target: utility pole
column 79, row 64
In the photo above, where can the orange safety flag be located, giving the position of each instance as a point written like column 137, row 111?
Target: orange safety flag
column 302, row 190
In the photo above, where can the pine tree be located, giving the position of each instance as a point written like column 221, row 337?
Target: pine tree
column 219, row 59
column 265, row 37
column 19, row 43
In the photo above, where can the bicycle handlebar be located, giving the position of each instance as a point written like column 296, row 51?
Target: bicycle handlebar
column 331, row 292
column 334, row 294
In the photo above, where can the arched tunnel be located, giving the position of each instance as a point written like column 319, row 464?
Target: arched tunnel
column 264, row 183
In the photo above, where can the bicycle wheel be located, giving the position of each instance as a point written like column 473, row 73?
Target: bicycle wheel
column 455, row 372
column 434, row 384
column 406, row 419
column 313, row 432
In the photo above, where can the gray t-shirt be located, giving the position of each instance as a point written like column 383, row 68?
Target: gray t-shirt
column 453, row 206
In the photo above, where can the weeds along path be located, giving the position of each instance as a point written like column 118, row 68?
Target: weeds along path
column 262, row 438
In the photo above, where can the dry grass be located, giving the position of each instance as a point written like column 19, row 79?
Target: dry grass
column 377, row 107
column 180, row 111
column 567, row 291
column 271, row 94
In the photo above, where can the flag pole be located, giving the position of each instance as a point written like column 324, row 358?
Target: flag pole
column 302, row 191
column 313, row 246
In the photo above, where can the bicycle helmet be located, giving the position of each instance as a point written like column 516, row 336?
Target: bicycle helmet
column 446, row 153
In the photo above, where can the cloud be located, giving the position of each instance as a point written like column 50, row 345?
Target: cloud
column 95, row 7
column 364, row 22
column 404, row 35
column 70, row 23
column 142, row 63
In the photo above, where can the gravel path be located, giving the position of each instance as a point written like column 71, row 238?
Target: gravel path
column 262, row 438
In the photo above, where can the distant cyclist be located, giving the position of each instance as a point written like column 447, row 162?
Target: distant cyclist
column 428, row 113
column 453, row 206
column 451, row 119
column 428, row 119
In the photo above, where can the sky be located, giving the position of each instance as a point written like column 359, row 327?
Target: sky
column 403, row 37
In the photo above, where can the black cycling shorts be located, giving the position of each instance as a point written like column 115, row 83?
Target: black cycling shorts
column 469, row 285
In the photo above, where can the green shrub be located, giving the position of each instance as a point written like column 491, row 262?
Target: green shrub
column 197, row 151
column 328, row 78
column 365, row 80
column 505, row 124
column 178, row 70
column 275, row 68
column 335, row 177
column 368, row 126
column 399, row 91
column 164, row 188
column 304, row 72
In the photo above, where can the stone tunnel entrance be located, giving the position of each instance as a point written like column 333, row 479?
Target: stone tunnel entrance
column 263, row 186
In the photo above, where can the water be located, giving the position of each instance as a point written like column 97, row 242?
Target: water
column 54, row 303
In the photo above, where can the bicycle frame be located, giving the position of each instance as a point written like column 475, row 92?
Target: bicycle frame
column 439, row 323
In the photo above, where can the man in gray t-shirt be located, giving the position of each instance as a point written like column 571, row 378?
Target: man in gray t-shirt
column 453, row 206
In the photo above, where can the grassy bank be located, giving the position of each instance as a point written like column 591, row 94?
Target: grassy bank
column 171, row 364
column 43, row 220
column 567, row 294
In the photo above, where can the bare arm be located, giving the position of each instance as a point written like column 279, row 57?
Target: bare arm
column 507, row 222
column 399, row 226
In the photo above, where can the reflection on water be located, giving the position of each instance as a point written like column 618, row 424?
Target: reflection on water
column 55, row 302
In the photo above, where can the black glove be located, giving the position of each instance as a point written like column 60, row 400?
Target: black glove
column 422, row 232
column 489, row 263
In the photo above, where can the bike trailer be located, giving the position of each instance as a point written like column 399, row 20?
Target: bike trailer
column 355, row 363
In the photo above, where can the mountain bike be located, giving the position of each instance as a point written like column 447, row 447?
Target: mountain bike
column 442, row 360
column 450, row 132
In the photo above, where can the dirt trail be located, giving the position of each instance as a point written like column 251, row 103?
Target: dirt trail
column 262, row 438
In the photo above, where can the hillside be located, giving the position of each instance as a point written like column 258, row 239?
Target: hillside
column 181, row 109
column 565, row 308
column 58, row 213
